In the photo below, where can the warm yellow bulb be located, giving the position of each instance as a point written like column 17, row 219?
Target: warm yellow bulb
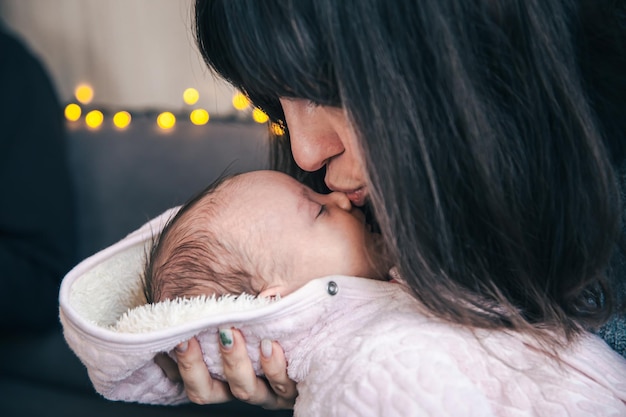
column 240, row 101
column 72, row 112
column 84, row 93
column 121, row 119
column 259, row 116
column 166, row 120
column 191, row 96
column 277, row 129
column 94, row 119
column 199, row 117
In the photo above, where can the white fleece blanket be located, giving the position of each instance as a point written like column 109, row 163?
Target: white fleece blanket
column 109, row 326
column 366, row 349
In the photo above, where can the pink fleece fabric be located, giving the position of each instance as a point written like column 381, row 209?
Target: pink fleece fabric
column 367, row 348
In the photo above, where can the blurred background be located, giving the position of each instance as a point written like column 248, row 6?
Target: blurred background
column 109, row 117
column 136, row 54
column 130, row 69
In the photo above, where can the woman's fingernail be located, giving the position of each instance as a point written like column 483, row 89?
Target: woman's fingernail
column 182, row 347
column 266, row 348
column 226, row 338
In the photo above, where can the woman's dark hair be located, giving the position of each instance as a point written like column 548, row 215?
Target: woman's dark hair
column 489, row 136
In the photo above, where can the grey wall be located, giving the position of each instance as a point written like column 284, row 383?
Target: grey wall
column 124, row 178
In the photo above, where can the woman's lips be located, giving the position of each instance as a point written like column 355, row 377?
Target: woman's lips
column 357, row 196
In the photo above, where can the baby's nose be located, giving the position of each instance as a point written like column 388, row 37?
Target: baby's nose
column 341, row 200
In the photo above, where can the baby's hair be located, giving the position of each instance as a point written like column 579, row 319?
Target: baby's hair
column 186, row 260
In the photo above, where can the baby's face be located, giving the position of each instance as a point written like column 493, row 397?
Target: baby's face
column 308, row 235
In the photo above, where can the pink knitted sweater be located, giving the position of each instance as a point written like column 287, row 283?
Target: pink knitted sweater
column 356, row 347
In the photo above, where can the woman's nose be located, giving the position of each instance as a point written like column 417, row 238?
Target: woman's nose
column 340, row 200
column 314, row 140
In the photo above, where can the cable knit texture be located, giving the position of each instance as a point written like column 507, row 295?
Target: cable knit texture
column 367, row 349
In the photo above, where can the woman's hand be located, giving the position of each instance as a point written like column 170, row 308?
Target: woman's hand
column 276, row 391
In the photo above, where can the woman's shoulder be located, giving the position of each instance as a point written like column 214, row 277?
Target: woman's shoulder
column 498, row 372
column 396, row 364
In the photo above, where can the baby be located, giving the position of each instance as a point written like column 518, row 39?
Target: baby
column 353, row 346
column 261, row 233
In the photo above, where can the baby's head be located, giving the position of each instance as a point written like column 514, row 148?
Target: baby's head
column 263, row 233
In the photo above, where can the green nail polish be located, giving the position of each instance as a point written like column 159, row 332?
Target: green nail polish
column 226, row 338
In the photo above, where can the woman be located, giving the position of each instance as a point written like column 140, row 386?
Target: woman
column 483, row 136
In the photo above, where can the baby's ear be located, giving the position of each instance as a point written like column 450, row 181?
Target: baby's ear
column 272, row 291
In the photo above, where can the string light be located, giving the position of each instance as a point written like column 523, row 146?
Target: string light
column 277, row 129
column 166, row 120
column 83, row 93
column 199, row 117
column 121, row 119
column 191, row 96
column 240, row 101
column 94, row 119
column 72, row 112
column 259, row 116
